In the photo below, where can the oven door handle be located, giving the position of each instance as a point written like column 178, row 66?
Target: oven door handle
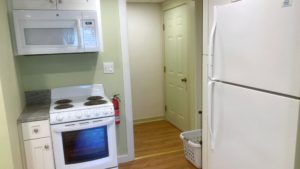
column 84, row 125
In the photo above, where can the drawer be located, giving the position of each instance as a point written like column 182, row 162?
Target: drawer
column 37, row 129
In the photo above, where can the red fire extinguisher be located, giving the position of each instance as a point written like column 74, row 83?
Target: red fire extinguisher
column 116, row 102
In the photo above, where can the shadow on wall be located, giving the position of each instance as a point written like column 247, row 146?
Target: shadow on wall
column 48, row 71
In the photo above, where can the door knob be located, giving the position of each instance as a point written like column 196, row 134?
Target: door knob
column 184, row 80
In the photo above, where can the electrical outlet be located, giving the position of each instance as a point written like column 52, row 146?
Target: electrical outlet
column 108, row 67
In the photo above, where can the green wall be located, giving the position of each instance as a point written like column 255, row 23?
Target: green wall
column 11, row 98
column 50, row 71
column 5, row 153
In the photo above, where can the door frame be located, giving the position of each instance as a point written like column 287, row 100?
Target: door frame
column 127, row 82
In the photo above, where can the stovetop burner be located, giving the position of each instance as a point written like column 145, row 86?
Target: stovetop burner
column 63, row 106
column 63, row 101
column 95, row 102
column 95, row 98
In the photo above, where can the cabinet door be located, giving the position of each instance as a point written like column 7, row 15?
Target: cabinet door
column 34, row 4
column 39, row 154
column 78, row 4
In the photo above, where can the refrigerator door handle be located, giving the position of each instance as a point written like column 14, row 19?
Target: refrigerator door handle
column 211, row 45
column 211, row 85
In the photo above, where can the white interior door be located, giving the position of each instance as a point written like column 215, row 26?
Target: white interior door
column 252, row 129
column 257, row 45
column 176, row 66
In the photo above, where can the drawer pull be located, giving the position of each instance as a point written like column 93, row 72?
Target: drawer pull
column 35, row 131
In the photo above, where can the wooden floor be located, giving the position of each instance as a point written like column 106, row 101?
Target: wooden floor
column 157, row 146
column 169, row 161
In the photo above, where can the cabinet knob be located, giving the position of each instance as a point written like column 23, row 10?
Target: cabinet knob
column 184, row 80
column 46, row 147
column 35, row 131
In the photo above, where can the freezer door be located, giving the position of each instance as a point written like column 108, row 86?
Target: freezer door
column 252, row 129
column 256, row 44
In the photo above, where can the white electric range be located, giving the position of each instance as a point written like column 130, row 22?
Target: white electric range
column 83, row 128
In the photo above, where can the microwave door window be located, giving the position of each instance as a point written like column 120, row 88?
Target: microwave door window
column 85, row 145
column 51, row 36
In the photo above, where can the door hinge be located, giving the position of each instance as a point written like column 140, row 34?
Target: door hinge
column 164, row 28
column 166, row 108
column 165, row 69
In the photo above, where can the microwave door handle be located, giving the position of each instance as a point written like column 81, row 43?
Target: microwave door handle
column 79, row 34
column 91, row 124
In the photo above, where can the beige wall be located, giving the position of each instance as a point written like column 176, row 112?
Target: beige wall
column 146, row 59
column 11, row 98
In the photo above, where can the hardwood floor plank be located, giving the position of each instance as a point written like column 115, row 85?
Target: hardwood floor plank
column 157, row 146
column 169, row 161
column 156, row 137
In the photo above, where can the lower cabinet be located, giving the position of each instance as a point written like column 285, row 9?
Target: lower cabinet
column 37, row 145
column 39, row 154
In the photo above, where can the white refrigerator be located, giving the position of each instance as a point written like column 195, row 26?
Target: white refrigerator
column 254, row 85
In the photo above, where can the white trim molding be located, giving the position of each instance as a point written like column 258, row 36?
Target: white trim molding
column 127, row 83
column 123, row 158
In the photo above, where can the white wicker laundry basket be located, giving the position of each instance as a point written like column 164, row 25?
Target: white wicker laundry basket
column 192, row 141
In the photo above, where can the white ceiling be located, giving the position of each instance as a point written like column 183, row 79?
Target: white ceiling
column 148, row 1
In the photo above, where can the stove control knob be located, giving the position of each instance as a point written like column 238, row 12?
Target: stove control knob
column 97, row 113
column 78, row 115
column 88, row 114
column 59, row 118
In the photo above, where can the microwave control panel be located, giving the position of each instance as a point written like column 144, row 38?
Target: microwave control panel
column 89, row 33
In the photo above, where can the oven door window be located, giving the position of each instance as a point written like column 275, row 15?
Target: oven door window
column 85, row 145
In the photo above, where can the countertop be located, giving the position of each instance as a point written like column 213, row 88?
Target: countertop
column 34, row 113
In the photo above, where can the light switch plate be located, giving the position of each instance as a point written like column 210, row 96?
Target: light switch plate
column 108, row 67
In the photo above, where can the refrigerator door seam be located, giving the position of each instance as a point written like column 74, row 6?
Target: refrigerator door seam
column 258, row 89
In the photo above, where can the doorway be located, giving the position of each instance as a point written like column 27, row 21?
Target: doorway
column 163, row 75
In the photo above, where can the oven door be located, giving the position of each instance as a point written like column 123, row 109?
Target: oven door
column 48, row 32
column 89, row 144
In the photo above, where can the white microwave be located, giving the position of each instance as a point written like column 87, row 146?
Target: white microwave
column 50, row 32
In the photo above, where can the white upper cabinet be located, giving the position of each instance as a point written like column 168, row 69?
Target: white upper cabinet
column 56, row 4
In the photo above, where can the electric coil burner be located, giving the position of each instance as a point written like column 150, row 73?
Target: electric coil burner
column 63, row 106
column 63, row 101
column 83, row 128
column 95, row 102
column 95, row 98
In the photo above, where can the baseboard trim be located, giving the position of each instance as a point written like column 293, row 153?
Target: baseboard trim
column 124, row 158
column 141, row 121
